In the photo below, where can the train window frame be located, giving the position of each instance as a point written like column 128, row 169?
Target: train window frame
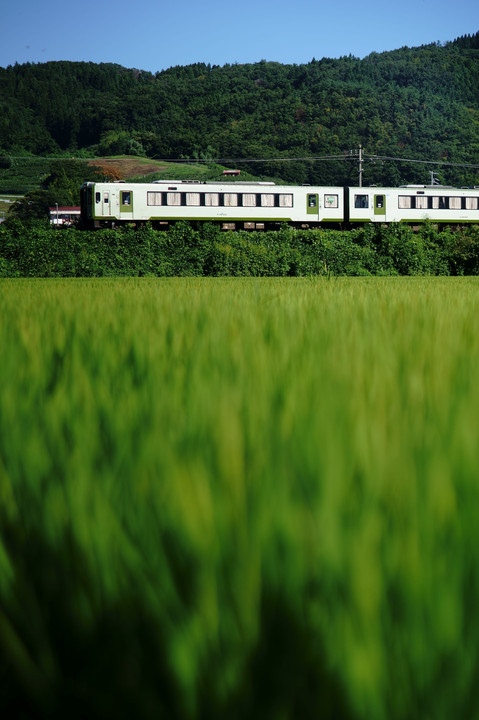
column 97, row 197
column 125, row 197
column 151, row 196
column 361, row 201
column 405, row 202
column 212, row 199
column 440, row 202
column 331, row 201
column 285, row 200
column 471, row 203
column 455, row 203
column 193, row 199
column 267, row 200
column 312, row 200
column 230, row 199
column 173, row 199
column 421, row 202
column 249, row 199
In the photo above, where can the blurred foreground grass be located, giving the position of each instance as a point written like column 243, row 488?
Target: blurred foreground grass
column 239, row 498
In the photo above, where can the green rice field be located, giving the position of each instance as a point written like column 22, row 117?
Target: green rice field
column 239, row 498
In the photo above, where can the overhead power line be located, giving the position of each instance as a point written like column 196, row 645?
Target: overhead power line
column 318, row 158
column 422, row 162
column 347, row 155
column 237, row 161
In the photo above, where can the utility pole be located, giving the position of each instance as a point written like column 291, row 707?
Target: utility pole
column 354, row 153
column 360, row 165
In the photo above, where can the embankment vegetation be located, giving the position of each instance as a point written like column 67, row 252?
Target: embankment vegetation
column 38, row 250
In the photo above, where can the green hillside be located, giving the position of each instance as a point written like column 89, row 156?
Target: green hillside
column 411, row 103
column 29, row 173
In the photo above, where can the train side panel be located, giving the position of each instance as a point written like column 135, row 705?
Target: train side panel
column 235, row 203
column 254, row 205
column 414, row 204
column 368, row 204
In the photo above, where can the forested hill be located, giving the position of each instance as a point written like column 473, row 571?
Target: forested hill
column 418, row 103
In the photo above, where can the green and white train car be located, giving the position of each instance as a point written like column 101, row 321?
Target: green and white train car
column 413, row 204
column 261, row 205
column 234, row 205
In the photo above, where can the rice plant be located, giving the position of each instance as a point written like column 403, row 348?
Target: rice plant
column 239, row 498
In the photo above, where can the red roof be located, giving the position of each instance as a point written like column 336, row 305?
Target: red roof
column 62, row 208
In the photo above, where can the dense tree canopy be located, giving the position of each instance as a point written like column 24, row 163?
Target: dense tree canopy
column 420, row 103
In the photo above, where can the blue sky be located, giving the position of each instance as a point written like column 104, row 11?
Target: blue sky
column 154, row 35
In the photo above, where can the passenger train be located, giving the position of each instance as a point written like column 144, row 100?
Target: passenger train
column 264, row 205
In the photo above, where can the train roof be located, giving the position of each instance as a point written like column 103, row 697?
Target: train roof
column 211, row 182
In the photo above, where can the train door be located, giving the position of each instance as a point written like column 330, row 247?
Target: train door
column 126, row 204
column 102, row 204
column 379, row 205
column 312, row 205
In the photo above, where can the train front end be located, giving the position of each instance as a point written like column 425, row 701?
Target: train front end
column 86, row 204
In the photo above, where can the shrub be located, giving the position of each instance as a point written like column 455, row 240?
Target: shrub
column 37, row 249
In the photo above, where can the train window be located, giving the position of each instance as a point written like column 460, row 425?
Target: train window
column 331, row 201
column 230, row 200
column 125, row 198
column 471, row 203
column 192, row 198
column 455, row 203
column 285, row 200
column 421, row 202
column 379, row 202
column 361, row 201
column 153, row 198
column 97, row 197
column 404, row 202
column 106, row 198
column 267, row 200
column 440, row 203
column 212, row 199
column 249, row 199
column 312, row 201
column 173, row 198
